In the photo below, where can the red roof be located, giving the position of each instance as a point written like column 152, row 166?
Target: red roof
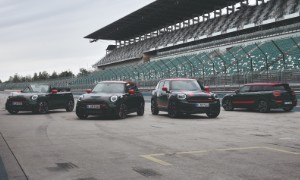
column 129, row 82
column 176, row 79
column 265, row 84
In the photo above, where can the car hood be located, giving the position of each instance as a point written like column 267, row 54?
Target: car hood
column 99, row 96
column 25, row 95
column 192, row 93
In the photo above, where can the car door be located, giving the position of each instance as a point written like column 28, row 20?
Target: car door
column 244, row 98
column 54, row 99
column 131, row 98
column 159, row 92
column 162, row 99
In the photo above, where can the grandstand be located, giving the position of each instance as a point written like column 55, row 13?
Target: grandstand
column 219, row 42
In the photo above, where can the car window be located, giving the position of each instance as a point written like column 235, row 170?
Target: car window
column 160, row 85
column 281, row 87
column 39, row 88
column 189, row 85
column 109, row 88
column 167, row 84
column 245, row 89
column 256, row 88
column 26, row 90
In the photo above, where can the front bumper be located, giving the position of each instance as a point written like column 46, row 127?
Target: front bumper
column 25, row 106
column 104, row 110
column 198, row 108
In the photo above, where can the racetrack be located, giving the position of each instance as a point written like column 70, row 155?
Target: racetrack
column 236, row 145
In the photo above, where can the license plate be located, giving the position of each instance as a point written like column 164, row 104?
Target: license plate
column 289, row 102
column 97, row 106
column 203, row 105
column 17, row 103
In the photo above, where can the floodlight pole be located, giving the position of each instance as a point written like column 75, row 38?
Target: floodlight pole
column 282, row 53
column 266, row 60
column 193, row 68
column 202, row 66
column 223, row 64
column 214, row 70
column 237, row 66
column 251, row 62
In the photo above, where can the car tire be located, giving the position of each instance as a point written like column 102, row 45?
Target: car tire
column 42, row 107
column 263, row 106
column 80, row 114
column 288, row 109
column 141, row 109
column 12, row 111
column 213, row 113
column 154, row 108
column 122, row 111
column 227, row 105
column 70, row 106
column 172, row 110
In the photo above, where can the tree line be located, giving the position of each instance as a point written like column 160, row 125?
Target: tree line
column 46, row 76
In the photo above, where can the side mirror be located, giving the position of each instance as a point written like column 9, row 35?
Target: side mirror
column 54, row 91
column 237, row 91
column 88, row 91
column 206, row 88
column 165, row 89
column 131, row 91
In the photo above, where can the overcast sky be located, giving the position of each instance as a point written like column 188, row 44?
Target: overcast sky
column 41, row 35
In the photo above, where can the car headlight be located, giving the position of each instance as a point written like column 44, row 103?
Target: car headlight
column 80, row 98
column 113, row 98
column 215, row 96
column 181, row 96
column 34, row 97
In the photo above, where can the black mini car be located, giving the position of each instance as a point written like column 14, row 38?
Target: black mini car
column 116, row 98
column 261, row 97
column 184, row 96
column 40, row 98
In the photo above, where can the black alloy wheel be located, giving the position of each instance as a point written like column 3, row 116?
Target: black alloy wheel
column 213, row 113
column 141, row 109
column 154, row 108
column 81, row 114
column 263, row 106
column 172, row 110
column 70, row 106
column 42, row 107
column 122, row 112
column 227, row 105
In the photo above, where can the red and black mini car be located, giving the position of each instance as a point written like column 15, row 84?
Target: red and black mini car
column 184, row 96
column 262, row 97
column 116, row 98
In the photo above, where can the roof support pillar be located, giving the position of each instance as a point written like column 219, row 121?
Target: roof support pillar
column 230, row 9
column 217, row 13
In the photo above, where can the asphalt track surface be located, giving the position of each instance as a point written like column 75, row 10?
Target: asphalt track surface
column 236, row 145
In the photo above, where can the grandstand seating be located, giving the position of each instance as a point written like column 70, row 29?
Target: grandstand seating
column 229, row 59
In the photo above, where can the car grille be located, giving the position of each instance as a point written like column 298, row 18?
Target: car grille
column 200, row 99
column 102, row 103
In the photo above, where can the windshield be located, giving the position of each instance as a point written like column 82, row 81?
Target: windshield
column 109, row 88
column 41, row 88
column 189, row 85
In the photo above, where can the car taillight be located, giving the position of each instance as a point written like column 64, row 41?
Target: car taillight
column 276, row 93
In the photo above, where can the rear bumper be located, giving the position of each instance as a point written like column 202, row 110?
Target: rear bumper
column 283, row 103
